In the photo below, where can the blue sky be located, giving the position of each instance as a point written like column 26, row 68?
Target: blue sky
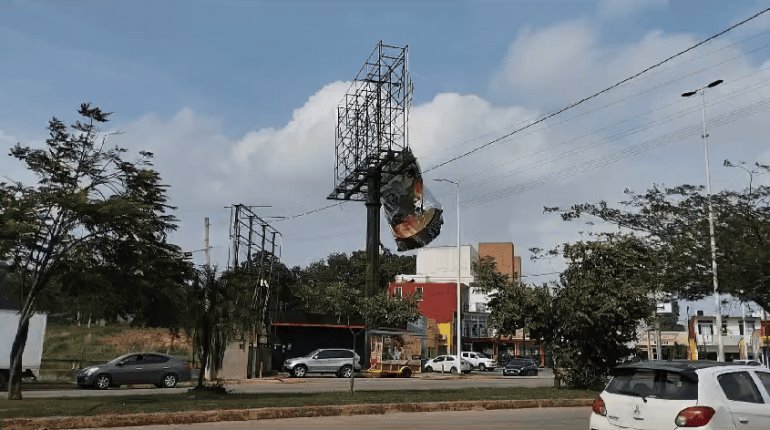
column 236, row 98
column 253, row 62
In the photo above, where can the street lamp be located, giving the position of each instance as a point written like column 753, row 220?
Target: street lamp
column 459, row 275
column 705, row 136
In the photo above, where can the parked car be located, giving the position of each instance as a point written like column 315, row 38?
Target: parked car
column 479, row 361
column 446, row 363
column 520, row 367
column 676, row 394
column 154, row 368
column 747, row 362
column 335, row 360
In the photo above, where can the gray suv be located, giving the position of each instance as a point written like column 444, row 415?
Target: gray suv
column 337, row 361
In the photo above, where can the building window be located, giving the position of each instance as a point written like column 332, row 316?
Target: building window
column 398, row 293
column 705, row 328
column 418, row 293
column 749, row 328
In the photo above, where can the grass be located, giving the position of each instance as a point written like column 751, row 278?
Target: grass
column 98, row 344
column 209, row 401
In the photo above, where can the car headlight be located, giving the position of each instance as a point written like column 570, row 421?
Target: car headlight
column 90, row 371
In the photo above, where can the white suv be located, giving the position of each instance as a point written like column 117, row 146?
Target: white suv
column 479, row 361
column 683, row 394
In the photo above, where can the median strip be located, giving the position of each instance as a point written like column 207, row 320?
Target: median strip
column 190, row 417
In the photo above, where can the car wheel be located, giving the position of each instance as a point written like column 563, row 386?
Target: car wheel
column 169, row 381
column 482, row 367
column 102, row 382
column 345, row 372
column 428, row 369
column 453, row 370
column 299, row 371
column 406, row 372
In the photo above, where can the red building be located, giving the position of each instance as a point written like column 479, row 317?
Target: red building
column 437, row 302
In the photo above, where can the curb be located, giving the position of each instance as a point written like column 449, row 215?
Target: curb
column 192, row 417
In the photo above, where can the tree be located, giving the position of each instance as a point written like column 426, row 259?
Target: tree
column 215, row 317
column 674, row 222
column 597, row 304
column 513, row 305
column 89, row 204
column 590, row 315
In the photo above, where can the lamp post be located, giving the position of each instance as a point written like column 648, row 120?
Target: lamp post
column 705, row 136
column 459, row 275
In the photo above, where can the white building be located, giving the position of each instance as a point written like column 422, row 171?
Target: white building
column 439, row 264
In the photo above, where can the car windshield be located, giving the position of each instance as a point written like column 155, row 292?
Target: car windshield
column 654, row 383
column 312, row 353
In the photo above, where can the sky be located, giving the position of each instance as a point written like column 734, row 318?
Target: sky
column 236, row 99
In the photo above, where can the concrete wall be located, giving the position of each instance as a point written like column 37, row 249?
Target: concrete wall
column 440, row 263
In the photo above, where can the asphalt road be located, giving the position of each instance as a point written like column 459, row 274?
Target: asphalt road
column 508, row 419
column 326, row 384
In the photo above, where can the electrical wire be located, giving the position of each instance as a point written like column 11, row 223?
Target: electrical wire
column 568, row 107
column 597, row 94
column 652, row 74
column 617, row 156
column 618, row 136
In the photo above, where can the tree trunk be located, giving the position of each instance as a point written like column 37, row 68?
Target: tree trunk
column 17, row 351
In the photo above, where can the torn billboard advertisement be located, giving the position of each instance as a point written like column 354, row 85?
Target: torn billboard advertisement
column 413, row 214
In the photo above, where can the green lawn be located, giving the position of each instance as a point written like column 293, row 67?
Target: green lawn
column 208, row 401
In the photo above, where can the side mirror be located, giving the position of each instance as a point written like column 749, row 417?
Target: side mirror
column 315, row 357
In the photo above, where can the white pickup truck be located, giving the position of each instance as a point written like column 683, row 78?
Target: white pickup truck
column 33, row 352
column 479, row 361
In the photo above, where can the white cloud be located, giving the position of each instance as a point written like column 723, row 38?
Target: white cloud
column 289, row 166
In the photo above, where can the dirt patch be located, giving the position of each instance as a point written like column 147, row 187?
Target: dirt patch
column 147, row 340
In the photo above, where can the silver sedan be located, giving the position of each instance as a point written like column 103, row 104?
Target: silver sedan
column 154, row 368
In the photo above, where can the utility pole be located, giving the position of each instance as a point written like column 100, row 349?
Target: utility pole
column 745, row 333
column 207, row 248
column 714, row 277
column 459, row 276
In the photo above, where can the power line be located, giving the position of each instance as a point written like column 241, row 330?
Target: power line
column 615, row 156
column 615, row 137
column 568, row 107
column 597, row 94
column 657, row 72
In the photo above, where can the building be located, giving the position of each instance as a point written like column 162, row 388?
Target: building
column 438, row 303
column 674, row 344
column 739, row 336
column 437, row 272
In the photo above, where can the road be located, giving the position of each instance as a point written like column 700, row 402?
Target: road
column 325, row 384
column 508, row 419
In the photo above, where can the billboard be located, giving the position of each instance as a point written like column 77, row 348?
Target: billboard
column 412, row 212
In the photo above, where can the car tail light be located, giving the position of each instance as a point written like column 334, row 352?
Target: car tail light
column 599, row 407
column 695, row 416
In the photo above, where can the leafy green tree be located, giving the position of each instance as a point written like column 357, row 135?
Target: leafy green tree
column 674, row 222
column 216, row 313
column 514, row 305
column 597, row 305
column 89, row 202
column 590, row 315
column 352, row 268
